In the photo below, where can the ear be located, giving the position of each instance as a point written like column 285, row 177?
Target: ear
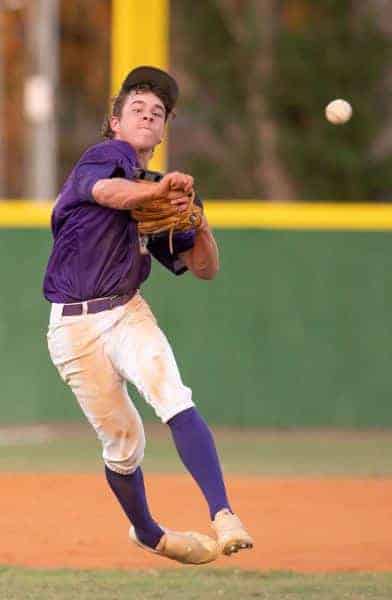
column 115, row 124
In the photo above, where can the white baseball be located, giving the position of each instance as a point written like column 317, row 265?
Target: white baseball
column 338, row 112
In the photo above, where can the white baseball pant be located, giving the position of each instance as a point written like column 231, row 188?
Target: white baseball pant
column 96, row 354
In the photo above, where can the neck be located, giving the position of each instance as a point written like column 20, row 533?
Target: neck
column 144, row 157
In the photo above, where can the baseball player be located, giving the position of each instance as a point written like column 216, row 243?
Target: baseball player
column 102, row 332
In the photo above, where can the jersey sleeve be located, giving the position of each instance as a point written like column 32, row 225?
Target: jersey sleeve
column 158, row 246
column 99, row 163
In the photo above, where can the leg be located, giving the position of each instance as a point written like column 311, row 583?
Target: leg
column 190, row 431
column 83, row 363
column 152, row 367
column 130, row 492
column 81, row 351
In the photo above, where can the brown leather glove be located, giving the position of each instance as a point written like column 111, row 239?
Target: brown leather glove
column 159, row 215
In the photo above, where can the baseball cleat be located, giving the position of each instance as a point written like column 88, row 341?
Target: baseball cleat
column 190, row 547
column 230, row 533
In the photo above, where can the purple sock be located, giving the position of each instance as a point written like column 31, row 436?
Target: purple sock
column 131, row 494
column 196, row 447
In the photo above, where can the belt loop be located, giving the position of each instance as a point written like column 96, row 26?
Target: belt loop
column 84, row 308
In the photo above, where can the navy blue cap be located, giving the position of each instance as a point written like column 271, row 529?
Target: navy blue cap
column 154, row 76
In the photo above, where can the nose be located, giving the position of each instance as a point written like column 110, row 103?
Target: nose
column 147, row 117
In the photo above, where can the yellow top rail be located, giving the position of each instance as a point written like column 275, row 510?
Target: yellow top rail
column 239, row 215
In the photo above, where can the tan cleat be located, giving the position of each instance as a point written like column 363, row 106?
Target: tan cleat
column 230, row 533
column 190, row 547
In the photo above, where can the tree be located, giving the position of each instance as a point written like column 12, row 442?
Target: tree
column 257, row 76
column 335, row 51
column 234, row 134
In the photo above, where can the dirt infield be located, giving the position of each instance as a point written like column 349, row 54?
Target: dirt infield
column 308, row 525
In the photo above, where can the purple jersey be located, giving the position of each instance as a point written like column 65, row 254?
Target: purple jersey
column 96, row 250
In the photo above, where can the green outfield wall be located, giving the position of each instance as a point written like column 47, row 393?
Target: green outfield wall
column 295, row 331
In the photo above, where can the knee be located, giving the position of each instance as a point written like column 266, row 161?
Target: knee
column 178, row 402
column 123, row 453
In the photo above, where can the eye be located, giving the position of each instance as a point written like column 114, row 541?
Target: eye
column 136, row 110
column 159, row 115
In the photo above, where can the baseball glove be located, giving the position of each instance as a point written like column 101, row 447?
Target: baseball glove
column 160, row 216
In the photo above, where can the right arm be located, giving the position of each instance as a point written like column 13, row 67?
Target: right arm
column 124, row 194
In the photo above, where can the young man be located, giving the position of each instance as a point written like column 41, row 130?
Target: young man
column 102, row 332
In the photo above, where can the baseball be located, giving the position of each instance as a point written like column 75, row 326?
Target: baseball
column 338, row 112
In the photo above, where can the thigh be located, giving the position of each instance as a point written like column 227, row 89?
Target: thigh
column 143, row 355
column 78, row 350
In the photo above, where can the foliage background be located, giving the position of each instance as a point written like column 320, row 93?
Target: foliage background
column 255, row 78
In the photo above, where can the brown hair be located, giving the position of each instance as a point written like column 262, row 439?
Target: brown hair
column 117, row 105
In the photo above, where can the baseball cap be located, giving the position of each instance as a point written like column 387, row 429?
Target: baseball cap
column 154, row 76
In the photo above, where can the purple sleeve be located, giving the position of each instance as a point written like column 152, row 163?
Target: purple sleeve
column 96, row 164
column 159, row 247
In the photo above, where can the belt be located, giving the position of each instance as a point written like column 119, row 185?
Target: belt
column 95, row 306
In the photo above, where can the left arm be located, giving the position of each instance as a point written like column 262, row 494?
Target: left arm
column 203, row 259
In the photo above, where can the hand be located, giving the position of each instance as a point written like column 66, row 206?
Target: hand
column 180, row 200
column 174, row 181
column 177, row 188
column 181, row 181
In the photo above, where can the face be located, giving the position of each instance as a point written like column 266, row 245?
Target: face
column 142, row 121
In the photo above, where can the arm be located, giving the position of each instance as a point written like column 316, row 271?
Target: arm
column 203, row 259
column 124, row 194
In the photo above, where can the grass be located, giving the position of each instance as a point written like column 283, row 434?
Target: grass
column 292, row 453
column 189, row 584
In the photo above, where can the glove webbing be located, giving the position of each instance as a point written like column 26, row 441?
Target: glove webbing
column 157, row 216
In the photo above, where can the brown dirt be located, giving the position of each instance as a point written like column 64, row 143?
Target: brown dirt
column 298, row 524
